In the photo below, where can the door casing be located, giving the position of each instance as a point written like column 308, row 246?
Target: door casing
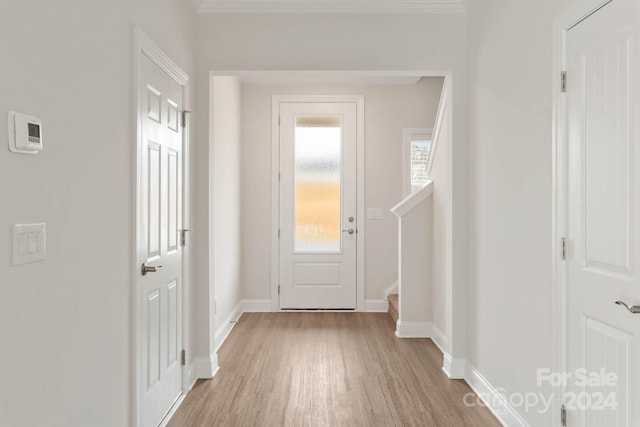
column 275, row 188
column 576, row 13
column 145, row 47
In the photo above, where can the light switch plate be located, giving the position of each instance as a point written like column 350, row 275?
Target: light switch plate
column 374, row 213
column 29, row 243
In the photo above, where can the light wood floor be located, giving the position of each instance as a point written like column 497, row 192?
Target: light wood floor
column 327, row 369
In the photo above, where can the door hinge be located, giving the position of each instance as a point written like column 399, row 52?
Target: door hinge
column 563, row 81
column 183, row 357
column 278, row 120
column 279, row 176
column 563, row 248
column 278, row 289
column 563, row 416
column 278, row 233
column 184, row 117
column 183, row 236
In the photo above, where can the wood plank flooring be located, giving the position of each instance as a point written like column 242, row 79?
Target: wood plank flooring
column 327, row 369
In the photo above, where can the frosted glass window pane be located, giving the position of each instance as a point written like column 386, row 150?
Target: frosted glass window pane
column 318, row 149
column 419, row 156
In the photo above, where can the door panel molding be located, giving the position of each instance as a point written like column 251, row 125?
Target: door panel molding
column 275, row 188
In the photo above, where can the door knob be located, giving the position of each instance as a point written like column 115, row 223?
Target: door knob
column 634, row 309
column 350, row 231
column 148, row 269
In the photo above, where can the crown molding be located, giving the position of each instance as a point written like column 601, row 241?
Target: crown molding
column 320, row 6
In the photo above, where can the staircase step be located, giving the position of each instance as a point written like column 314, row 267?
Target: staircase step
column 393, row 306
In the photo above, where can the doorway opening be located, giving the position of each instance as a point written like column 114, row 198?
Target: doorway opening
column 381, row 188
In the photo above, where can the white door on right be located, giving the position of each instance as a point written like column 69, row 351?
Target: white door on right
column 603, row 241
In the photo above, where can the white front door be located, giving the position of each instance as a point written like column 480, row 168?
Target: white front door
column 160, row 291
column 603, row 241
column 318, row 229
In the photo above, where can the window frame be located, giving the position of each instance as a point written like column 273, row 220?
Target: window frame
column 408, row 135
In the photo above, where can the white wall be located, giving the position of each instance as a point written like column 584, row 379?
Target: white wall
column 388, row 108
column 510, row 294
column 416, row 263
column 434, row 42
column 65, row 323
column 225, row 165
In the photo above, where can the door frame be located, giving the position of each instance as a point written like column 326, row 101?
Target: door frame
column 276, row 100
column 143, row 46
column 563, row 22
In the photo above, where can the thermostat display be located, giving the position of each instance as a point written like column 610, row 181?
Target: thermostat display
column 34, row 133
column 25, row 133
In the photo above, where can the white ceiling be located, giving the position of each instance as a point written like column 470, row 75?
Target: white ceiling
column 330, row 6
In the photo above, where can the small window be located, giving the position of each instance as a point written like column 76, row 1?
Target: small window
column 416, row 149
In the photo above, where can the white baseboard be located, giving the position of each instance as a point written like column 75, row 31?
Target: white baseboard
column 193, row 377
column 227, row 325
column 206, row 367
column 376, row 306
column 496, row 402
column 438, row 338
column 454, row 368
column 413, row 329
column 256, row 305
column 393, row 289
column 174, row 408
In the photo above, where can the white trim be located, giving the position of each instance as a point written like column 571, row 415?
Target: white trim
column 437, row 126
column 193, row 377
column 439, row 339
column 206, row 367
column 376, row 306
column 359, row 76
column 494, row 399
column 413, row 200
column 288, row 6
column 454, row 368
column 393, row 289
column 455, row 294
column 146, row 46
column 576, row 12
column 256, row 306
column 360, row 202
column 413, row 329
column 143, row 45
column 276, row 100
column 174, row 409
column 333, row 79
column 227, row 325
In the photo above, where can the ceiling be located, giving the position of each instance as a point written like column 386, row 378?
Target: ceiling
column 330, row 6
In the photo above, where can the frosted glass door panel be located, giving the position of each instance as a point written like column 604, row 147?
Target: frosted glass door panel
column 317, row 205
column 318, row 152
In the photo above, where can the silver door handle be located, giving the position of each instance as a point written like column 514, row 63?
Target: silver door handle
column 148, row 269
column 350, row 231
column 634, row 309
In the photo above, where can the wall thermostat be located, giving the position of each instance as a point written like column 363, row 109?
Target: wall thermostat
column 25, row 133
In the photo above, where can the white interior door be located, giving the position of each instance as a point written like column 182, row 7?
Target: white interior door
column 318, row 218
column 603, row 257
column 160, row 291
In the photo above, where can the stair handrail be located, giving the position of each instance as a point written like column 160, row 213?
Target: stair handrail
column 413, row 200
